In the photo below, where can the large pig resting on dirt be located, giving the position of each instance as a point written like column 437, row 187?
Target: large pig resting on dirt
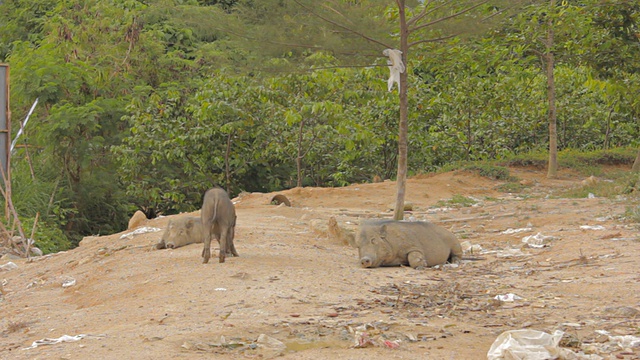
column 218, row 219
column 417, row 244
column 180, row 232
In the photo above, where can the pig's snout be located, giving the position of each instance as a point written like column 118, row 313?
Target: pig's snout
column 366, row 262
column 170, row 245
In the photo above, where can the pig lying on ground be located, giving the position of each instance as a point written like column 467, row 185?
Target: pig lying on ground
column 218, row 217
column 181, row 231
column 394, row 243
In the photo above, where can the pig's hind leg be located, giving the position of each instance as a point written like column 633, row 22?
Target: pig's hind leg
column 417, row 260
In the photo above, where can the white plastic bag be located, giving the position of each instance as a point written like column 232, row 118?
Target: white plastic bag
column 525, row 345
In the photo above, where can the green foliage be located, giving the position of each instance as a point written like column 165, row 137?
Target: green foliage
column 610, row 185
column 40, row 197
column 583, row 161
column 491, row 171
column 457, row 201
column 632, row 213
column 48, row 237
column 511, row 187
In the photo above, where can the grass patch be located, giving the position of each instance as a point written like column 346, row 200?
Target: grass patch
column 585, row 162
column 490, row 171
column 619, row 183
column 511, row 187
column 457, row 201
column 13, row 327
column 632, row 213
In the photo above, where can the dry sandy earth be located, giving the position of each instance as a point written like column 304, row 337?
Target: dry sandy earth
column 295, row 293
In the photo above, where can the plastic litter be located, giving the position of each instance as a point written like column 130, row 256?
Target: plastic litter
column 529, row 344
column 538, row 240
column 68, row 282
column 138, row 231
column 395, row 67
column 625, row 342
column 508, row 297
column 508, row 253
column 270, row 343
column 590, row 227
column 515, row 231
column 368, row 335
column 63, row 338
column 8, row 266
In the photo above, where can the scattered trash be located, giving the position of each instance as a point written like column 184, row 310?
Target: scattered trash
column 447, row 266
column 362, row 340
column 532, row 345
column 624, row 342
column 220, row 289
column 436, row 210
column 271, row 345
column 142, row 230
column 515, row 231
column 507, row 253
column 538, row 240
column 572, row 325
column 63, row 338
column 624, row 239
column 391, row 344
column 8, row 266
column 368, row 335
column 591, row 196
column 590, row 227
column 68, row 282
column 508, row 297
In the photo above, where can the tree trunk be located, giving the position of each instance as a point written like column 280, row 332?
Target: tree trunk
column 636, row 163
column 403, row 127
column 299, row 157
column 607, row 133
column 551, row 96
column 226, row 164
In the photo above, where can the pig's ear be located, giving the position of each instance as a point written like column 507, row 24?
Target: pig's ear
column 383, row 231
column 189, row 223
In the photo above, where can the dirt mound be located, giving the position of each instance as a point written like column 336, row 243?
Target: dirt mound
column 295, row 293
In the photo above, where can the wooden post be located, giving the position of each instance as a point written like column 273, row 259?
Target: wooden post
column 5, row 132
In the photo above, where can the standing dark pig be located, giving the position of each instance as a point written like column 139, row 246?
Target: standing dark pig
column 219, row 219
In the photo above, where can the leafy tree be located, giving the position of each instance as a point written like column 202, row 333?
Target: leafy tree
column 367, row 27
column 82, row 59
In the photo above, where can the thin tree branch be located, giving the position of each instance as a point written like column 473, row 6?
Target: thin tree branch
column 370, row 39
column 448, row 17
column 346, row 66
column 424, row 12
column 337, row 12
column 269, row 41
column 433, row 40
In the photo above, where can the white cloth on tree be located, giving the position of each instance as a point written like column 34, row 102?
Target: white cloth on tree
column 395, row 67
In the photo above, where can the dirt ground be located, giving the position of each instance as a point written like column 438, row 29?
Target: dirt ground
column 297, row 293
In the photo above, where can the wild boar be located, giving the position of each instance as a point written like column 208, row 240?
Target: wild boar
column 218, row 217
column 417, row 244
column 181, row 231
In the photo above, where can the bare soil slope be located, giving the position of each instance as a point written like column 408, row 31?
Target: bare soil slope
column 296, row 293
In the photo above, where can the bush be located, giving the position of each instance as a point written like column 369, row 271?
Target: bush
column 491, row 171
column 48, row 237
